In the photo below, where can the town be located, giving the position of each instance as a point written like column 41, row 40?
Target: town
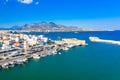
column 17, row 48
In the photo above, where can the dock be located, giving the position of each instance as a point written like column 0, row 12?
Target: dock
column 11, row 60
column 39, row 50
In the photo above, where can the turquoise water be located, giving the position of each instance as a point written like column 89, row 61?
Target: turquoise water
column 97, row 61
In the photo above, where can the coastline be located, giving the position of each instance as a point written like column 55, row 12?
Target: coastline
column 37, row 51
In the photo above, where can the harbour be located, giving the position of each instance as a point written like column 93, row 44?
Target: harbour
column 59, row 40
column 18, row 55
column 78, row 63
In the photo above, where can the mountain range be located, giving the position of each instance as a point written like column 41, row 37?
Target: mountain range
column 41, row 25
column 49, row 26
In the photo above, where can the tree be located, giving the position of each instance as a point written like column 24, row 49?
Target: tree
column 58, row 37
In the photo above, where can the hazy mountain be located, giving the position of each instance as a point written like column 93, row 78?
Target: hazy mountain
column 40, row 25
column 16, row 27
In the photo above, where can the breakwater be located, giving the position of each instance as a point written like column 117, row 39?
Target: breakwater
column 97, row 39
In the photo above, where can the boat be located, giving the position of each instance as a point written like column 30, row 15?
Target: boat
column 66, row 48
column 59, row 53
column 11, row 64
column 54, row 52
column 35, row 56
column 25, row 60
column 70, row 46
column 43, row 55
column 49, row 53
column 5, row 66
column 19, row 61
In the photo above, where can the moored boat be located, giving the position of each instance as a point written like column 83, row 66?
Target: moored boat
column 11, row 64
column 5, row 66
column 35, row 56
column 59, row 53
column 25, row 60
column 65, row 48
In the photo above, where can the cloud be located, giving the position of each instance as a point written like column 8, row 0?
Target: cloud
column 26, row 1
column 36, row 3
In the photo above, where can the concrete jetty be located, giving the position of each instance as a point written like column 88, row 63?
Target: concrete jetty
column 97, row 39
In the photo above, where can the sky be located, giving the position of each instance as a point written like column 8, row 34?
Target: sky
column 81, row 13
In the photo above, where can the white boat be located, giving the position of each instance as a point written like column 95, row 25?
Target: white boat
column 43, row 55
column 19, row 62
column 54, row 52
column 49, row 53
column 59, row 53
column 35, row 56
column 25, row 60
column 66, row 48
column 11, row 64
column 70, row 46
column 5, row 66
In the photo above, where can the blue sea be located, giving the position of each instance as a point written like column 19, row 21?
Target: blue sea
column 96, row 61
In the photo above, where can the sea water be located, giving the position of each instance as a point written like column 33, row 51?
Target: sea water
column 96, row 61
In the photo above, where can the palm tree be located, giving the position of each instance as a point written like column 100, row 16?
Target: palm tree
column 59, row 38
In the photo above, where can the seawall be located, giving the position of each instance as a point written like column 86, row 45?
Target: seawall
column 97, row 39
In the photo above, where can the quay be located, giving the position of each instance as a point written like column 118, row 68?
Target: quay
column 12, row 60
column 47, row 50
column 18, row 48
column 97, row 39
